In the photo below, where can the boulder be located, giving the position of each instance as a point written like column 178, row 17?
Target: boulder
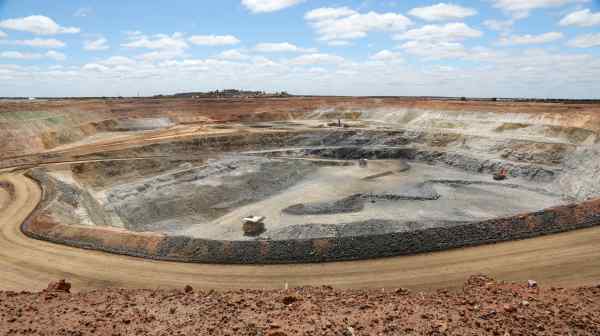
column 59, row 286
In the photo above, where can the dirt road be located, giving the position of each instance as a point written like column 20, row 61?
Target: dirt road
column 568, row 259
column 4, row 198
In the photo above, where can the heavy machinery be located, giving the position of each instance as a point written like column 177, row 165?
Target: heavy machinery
column 501, row 175
column 253, row 225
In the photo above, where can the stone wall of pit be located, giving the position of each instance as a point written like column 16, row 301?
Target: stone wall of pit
column 540, row 165
column 42, row 225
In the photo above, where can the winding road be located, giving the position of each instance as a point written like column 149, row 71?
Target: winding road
column 567, row 259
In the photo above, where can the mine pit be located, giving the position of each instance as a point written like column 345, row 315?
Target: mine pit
column 329, row 184
column 303, row 197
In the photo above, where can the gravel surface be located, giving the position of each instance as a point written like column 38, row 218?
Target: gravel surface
column 482, row 307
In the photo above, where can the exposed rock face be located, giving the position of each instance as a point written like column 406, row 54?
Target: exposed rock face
column 32, row 127
column 207, row 192
column 581, row 174
column 143, row 124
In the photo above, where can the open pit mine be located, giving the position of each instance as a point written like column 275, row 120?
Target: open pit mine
column 165, row 192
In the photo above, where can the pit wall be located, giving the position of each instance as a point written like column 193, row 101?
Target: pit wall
column 451, row 149
column 42, row 225
column 36, row 126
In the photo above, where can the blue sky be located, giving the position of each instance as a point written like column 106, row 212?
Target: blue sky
column 487, row 48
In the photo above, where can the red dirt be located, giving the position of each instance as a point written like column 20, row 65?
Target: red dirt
column 482, row 307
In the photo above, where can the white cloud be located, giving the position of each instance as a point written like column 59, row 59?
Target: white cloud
column 531, row 39
column 40, row 43
column 499, row 25
column 436, row 50
column 264, row 6
column 585, row 41
column 317, row 70
column 118, row 60
column 133, row 33
column 157, row 42
column 337, row 43
column 447, row 32
column 512, row 73
column 2, row 34
column 96, row 45
column 521, row 8
column 442, row 12
column 37, row 24
column 233, row 55
column 94, row 67
column 83, row 12
column 342, row 23
column 317, row 59
column 214, row 40
column 32, row 56
column 160, row 55
column 281, row 47
column 329, row 13
column 582, row 18
column 55, row 55
column 20, row 55
column 386, row 55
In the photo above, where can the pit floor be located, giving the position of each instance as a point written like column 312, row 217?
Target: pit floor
column 456, row 203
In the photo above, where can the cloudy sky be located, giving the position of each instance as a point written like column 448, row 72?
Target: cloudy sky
column 478, row 48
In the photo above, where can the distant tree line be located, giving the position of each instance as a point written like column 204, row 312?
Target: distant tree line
column 227, row 93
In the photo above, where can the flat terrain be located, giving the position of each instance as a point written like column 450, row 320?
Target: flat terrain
column 568, row 259
column 330, row 184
